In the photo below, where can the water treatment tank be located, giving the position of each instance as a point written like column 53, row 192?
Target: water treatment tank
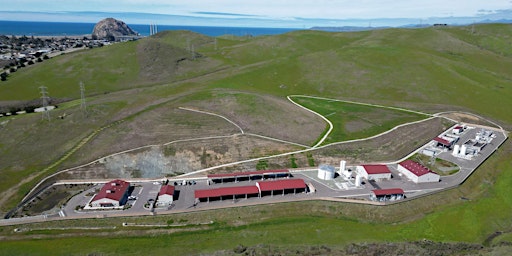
column 463, row 150
column 326, row 172
column 455, row 150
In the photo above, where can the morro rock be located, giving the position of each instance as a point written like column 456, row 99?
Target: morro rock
column 111, row 29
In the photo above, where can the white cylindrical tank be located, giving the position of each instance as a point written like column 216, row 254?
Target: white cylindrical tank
column 455, row 150
column 343, row 165
column 463, row 150
column 326, row 172
column 359, row 180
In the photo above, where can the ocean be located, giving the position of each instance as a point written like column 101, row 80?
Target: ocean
column 31, row 28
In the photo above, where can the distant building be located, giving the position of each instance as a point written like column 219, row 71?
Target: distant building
column 458, row 129
column 374, row 172
column 417, row 172
column 112, row 194
column 165, row 196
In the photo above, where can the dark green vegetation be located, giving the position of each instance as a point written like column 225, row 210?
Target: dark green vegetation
column 134, row 90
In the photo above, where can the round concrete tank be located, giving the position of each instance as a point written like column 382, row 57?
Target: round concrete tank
column 326, row 172
column 359, row 180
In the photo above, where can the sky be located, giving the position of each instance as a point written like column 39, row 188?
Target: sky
column 274, row 13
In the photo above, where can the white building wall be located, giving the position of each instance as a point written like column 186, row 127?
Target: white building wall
column 165, row 200
column 429, row 177
column 380, row 176
column 360, row 170
column 98, row 202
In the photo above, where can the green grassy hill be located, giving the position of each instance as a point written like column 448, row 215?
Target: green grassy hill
column 134, row 90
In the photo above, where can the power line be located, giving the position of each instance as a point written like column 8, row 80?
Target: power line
column 45, row 98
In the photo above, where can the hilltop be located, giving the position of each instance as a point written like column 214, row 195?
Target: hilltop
column 111, row 28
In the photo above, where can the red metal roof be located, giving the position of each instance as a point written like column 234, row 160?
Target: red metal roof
column 376, row 169
column 228, row 191
column 389, row 191
column 281, row 184
column 243, row 174
column 416, row 168
column 442, row 141
column 113, row 190
column 166, row 190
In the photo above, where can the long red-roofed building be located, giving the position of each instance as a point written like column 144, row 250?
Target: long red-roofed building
column 238, row 176
column 262, row 188
column 374, row 172
column 417, row 172
column 112, row 194
column 281, row 186
column 231, row 192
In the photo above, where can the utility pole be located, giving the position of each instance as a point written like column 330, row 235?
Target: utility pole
column 45, row 98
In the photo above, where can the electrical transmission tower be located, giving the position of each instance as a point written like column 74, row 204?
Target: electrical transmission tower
column 45, row 98
column 83, row 106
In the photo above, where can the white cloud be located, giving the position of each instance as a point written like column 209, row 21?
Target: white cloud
column 274, row 9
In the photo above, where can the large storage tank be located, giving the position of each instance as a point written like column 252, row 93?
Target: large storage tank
column 463, row 150
column 326, row 172
column 359, row 180
column 455, row 150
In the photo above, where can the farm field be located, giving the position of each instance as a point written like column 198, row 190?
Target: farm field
column 135, row 92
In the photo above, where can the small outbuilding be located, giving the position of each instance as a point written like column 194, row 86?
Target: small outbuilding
column 417, row 172
column 383, row 195
column 374, row 172
column 112, row 195
column 165, row 196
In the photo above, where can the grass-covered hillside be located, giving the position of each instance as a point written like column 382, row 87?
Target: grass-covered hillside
column 135, row 90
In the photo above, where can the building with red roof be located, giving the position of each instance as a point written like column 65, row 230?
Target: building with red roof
column 254, row 175
column 444, row 142
column 281, row 186
column 230, row 192
column 374, row 172
column 262, row 188
column 417, row 172
column 112, row 194
column 390, row 194
column 165, row 195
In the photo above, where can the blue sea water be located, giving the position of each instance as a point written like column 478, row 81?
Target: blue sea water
column 30, row 28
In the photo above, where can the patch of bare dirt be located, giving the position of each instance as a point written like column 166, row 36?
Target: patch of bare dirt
column 178, row 158
column 265, row 115
column 467, row 118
